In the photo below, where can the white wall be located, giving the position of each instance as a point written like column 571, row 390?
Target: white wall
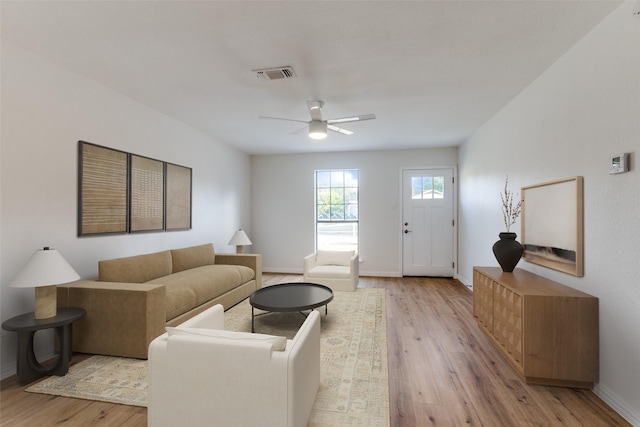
column 45, row 111
column 570, row 121
column 283, row 204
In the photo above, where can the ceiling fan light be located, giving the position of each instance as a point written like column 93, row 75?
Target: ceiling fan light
column 317, row 129
column 317, row 135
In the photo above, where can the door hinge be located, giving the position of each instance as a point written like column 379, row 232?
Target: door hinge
column 453, row 222
column 453, row 265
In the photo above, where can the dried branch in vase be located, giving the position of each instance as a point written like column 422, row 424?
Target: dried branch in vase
column 510, row 209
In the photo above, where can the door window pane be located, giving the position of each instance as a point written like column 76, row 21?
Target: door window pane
column 416, row 187
column 438, row 187
column 427, row 187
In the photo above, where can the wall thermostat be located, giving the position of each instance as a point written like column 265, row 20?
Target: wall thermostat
column 619, row 163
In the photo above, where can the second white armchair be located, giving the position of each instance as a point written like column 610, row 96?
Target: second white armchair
column 338, row 270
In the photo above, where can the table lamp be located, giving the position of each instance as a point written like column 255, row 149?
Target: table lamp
column 45, row 269
column 240, row 239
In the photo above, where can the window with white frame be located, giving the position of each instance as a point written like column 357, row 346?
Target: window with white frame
column 337, row 209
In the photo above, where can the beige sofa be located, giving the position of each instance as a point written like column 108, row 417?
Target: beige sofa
column 135, row 298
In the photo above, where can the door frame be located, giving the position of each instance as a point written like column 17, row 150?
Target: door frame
column 455, row 214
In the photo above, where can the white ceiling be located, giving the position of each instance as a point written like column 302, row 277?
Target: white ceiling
column 431, row 71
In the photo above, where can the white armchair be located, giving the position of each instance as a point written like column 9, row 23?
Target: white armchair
column 201, row 375
column 338, row 270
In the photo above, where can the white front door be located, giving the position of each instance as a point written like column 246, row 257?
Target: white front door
column 427, row 222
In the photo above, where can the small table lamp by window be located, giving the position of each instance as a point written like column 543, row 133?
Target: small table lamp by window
column 239, row 240
column 45, row 269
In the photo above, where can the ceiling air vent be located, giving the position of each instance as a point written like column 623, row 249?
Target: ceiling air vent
column 275, row 73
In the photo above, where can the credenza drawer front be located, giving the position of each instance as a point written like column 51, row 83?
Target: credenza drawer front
column 483, row 300
column 507, row 321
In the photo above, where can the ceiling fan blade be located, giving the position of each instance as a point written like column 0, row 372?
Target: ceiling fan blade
column 339, row 130
column 315, row 109
column 280, row 118
column 352, row 119
column 299, row 131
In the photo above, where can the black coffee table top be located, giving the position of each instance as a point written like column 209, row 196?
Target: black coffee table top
column 289, row 297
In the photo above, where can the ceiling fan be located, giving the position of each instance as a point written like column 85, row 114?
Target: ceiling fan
column 318, row 127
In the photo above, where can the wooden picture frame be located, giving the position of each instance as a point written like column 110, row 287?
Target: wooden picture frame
column 178, row 197
column 552, row 224
column 146, row 210
column 102, row 190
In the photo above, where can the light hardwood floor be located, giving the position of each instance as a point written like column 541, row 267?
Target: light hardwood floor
column 442, row 371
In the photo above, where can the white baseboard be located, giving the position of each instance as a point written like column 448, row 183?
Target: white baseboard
column 617, row 404
column 468, row 283
column 276, row 270
column 380, row 274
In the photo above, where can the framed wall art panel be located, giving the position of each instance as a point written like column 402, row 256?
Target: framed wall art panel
column 178, row 197
column 147, row 194
column 552, row 224
column 102, row 190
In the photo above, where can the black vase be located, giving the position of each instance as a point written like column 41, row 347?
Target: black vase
column 508, row 251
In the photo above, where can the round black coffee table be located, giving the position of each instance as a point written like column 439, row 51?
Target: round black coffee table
column 290, row 297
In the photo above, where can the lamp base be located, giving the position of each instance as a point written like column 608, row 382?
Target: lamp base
column 239, row 249
column 46, row 302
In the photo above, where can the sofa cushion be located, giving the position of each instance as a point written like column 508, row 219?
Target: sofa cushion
column 329, row 271
column 334, row 257
column 194, row 256
column 190, row 288
column 279, row 343
column 135, row 269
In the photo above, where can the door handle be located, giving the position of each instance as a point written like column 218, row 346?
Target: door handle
column 407, row 231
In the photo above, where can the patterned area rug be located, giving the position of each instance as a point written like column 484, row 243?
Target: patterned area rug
column 354, row 389
column 103, row 378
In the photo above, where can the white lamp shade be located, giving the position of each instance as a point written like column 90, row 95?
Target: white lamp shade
column 240, row 238
column 45, row 267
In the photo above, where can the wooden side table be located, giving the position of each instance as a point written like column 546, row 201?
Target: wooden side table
column 26, row 325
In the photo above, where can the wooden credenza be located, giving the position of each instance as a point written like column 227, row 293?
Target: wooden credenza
column 547, row 331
